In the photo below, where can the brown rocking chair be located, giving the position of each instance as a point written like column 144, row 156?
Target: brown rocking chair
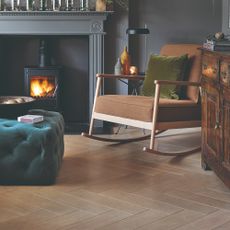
column 155, row 114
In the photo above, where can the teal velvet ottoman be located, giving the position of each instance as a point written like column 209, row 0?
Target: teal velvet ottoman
column 31, row 153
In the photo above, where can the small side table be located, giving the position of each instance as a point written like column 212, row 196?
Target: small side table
column 134, row 86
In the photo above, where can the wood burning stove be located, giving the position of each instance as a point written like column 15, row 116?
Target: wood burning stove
column 42, row 82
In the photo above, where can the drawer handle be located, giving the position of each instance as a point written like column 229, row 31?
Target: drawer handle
column 217, row 126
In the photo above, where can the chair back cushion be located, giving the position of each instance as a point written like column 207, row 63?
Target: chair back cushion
column 164, row 68
column 194, row 66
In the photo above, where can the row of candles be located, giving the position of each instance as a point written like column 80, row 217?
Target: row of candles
column 48, row 5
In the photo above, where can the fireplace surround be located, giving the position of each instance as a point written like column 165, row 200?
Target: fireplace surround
column 61, row 24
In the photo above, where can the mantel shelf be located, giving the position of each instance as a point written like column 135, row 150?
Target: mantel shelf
column 8, row 14
column 52, row 22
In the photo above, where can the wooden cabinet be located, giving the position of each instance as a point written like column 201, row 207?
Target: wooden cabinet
column 216, row 113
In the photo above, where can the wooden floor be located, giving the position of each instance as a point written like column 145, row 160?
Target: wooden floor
column 104, row 186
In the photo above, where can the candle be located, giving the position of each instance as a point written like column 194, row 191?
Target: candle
column 12, row 4
column 67, row 4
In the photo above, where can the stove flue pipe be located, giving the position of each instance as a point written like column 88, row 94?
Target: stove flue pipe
column 43, row 53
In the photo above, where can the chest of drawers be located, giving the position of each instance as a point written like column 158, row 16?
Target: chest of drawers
column 216, row 113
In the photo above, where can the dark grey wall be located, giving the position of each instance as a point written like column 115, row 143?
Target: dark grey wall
column 115, row 41
column 169, row 21
column 173, row 21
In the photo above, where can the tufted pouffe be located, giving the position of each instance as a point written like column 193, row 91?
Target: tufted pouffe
column 31, row 153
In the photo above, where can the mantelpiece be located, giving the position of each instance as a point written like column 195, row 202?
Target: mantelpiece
column 52, row 23
column 57, row 23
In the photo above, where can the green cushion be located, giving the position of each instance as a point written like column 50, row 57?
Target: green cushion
column 164, row 68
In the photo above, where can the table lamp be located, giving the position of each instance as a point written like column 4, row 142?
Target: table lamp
column 140, row 31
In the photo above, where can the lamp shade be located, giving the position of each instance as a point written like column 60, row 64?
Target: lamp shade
column 134, row 31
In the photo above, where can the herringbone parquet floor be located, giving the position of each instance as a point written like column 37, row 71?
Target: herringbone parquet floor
column 108, row 186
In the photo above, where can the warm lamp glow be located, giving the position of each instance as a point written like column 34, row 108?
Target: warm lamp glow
column 133, row 70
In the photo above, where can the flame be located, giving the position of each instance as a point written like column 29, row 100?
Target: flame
column 41, row 87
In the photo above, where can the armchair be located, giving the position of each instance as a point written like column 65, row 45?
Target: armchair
column 153, row 113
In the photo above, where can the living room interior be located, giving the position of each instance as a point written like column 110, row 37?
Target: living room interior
column 52, row 177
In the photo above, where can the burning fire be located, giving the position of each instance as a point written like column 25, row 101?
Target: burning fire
column 42, row 87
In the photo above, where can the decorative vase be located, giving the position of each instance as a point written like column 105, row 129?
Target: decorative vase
column 101, row 5
column 125, row 61
column 118, row 67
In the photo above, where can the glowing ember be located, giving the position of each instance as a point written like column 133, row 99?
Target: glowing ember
column 42, row 87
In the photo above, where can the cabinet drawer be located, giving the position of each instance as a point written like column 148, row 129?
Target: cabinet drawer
column 225, row 73
column 210, row 66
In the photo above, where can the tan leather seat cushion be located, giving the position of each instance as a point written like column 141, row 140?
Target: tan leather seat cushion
column 141, row 108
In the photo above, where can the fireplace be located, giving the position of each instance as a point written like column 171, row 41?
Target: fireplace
column 84, row 31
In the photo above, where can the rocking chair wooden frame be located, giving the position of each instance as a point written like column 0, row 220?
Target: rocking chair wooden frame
column 155, row 126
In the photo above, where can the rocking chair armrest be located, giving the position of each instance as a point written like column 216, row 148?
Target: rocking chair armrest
column 128, row 77
column 167, row 82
